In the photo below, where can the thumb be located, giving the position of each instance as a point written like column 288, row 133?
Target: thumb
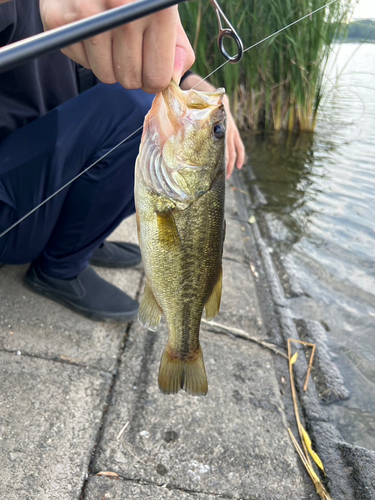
column 184, row 54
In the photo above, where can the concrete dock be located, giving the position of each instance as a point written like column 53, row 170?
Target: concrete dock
column 80, row 398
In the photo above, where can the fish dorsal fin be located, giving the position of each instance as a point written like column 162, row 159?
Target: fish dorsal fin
column 149, row 311
column 212, row 305
column 168, row 234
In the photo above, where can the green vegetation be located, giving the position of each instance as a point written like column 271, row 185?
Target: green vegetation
column 278, row 84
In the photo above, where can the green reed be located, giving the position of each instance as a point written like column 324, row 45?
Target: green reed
column 278, row 84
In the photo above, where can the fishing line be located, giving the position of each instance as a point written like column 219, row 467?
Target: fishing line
column 140, row 128
column 267, row 38
column 70, row 182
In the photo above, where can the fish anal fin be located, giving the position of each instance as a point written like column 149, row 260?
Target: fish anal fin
column 177, row 373
column 212, row 305
column 168, row 233
column 149, row 311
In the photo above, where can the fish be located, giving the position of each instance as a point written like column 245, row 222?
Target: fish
column 180, row 199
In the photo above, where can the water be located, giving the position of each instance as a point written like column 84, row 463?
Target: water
column 317, row 194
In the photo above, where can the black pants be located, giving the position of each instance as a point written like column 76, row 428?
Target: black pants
column 39, row 158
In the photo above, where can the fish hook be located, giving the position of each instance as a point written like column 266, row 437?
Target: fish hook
column 229, row 32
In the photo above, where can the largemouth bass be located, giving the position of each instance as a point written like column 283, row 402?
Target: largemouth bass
column 179, row 194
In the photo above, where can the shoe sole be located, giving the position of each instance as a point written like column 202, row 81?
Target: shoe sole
column 108, row 318
column 136, row 265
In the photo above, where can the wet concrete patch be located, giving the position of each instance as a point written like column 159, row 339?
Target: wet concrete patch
column 361, row 469
column 328, row 380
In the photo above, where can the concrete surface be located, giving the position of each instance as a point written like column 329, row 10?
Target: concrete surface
column 69, row 386
column 233, row 442
column 101, row 488
column 50, row 416
column 40, row 327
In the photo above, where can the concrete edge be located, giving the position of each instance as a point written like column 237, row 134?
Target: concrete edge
column 338, row 456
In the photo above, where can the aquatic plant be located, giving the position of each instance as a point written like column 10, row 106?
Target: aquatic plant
column 278, row 84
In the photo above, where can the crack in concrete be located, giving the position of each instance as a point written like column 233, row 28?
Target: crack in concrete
column 115, row 374
column 53, row 360
column 141, row 383
column 172, row 487
column 232, row 259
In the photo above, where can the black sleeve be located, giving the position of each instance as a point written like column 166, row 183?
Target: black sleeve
column 185, row 75
column 8, row 15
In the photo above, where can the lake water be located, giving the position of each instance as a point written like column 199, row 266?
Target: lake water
column 317, row 195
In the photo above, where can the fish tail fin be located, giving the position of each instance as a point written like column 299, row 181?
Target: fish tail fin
column 195, row 378
column 188, row 374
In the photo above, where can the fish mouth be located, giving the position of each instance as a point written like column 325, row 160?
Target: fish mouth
column 173, row 105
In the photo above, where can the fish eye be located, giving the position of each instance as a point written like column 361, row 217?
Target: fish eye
column 219, row 131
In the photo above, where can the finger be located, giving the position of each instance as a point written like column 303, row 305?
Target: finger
column 127, row 54
column 77, row 53
column 231, row 156
column 99, row 54
column 159, row 45
column 241, row 152
column 184, row 55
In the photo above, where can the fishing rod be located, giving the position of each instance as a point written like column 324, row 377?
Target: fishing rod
column 20, row 52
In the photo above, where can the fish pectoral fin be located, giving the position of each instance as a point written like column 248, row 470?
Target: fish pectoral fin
column 187, row 374
column 212, row 305
column 168, row 233
column 149, row 311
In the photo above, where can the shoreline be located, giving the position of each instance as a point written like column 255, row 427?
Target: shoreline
column 349, row 468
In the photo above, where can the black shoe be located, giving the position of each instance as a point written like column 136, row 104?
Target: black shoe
column 87, row 294
column 116, row 254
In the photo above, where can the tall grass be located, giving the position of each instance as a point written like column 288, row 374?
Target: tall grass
column 278, row 84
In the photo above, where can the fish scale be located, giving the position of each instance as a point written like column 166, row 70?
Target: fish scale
column 182, row 241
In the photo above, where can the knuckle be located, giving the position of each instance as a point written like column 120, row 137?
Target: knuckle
column 52, row 19
column 129, row 73
column 131, row 83
column 112, row 4
column 85, row 8
column 108, row 80
column 157, row 83
column 105, row 75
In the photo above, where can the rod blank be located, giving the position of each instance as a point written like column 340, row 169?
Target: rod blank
column 18, row 53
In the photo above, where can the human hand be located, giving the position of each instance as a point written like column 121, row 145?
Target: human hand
column 140, row 54
column 184, row 54
column 235, row 151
